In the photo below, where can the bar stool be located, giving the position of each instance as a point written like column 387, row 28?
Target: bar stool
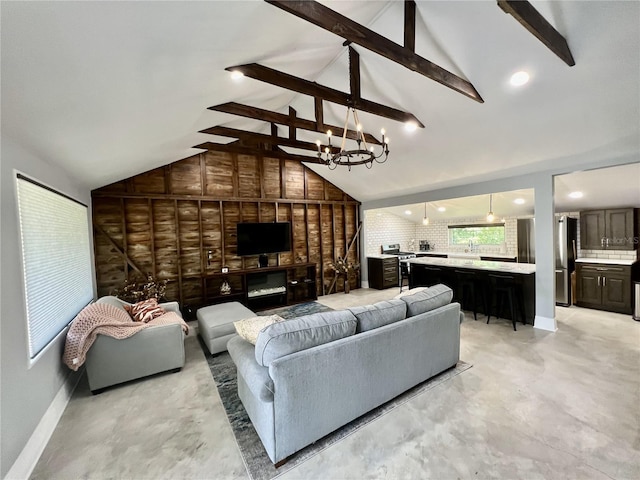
column 506, row 288
column 469, row 287
column 404, row 274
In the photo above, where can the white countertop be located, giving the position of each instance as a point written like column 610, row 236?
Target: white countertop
column 382, row 256
column 606, row 261
column 522, row 268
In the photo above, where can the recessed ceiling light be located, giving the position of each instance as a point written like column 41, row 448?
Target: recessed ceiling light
column 519, row 78
column 410, row 126
column 576, row 195
column 407, row 212
column 442, row 209
column 236, row 74
column 519, row 201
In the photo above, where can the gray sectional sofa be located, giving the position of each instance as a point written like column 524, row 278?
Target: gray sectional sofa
column 308, row 376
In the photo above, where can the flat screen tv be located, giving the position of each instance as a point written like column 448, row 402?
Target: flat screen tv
column 261, row 238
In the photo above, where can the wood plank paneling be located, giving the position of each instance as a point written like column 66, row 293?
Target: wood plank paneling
column 219, row 174
column 294, row 179
column 271, row 172
column 185, row 177
column 248, row 177
column 180, row 221
column 148, row 182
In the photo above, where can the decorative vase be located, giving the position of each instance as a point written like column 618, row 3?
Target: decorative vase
column 225, row 288
column 346, row 285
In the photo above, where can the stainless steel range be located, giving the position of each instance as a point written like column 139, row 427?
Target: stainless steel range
column 394, row 249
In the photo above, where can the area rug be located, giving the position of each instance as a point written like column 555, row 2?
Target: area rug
column 255, row 457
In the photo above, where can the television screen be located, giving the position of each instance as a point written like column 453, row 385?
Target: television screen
column 259, row 238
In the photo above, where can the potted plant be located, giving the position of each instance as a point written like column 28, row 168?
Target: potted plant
column 134, row 292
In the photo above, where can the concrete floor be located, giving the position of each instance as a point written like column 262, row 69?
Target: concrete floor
column 534, row 405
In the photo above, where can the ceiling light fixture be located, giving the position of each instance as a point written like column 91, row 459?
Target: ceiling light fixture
column 407, row 212
column 360, row 156
column 519, row 201
column 425, row 219
column 519, row 78
column 411, row 126
column 576, row 195
column 442, row 209
column 490, row 217
column 236, row 75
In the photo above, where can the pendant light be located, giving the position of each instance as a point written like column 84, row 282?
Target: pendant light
column 490, row 217
column 425, row 220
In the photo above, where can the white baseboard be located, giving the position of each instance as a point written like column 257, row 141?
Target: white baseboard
column 26, row 461
column 545, row 323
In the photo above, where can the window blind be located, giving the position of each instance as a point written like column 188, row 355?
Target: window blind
column 56, row 260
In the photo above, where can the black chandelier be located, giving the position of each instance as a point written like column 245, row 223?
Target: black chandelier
column 363, row 155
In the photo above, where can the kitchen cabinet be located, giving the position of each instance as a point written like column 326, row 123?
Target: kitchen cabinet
column 383, row 272
column 604, row 287
column 612, row 229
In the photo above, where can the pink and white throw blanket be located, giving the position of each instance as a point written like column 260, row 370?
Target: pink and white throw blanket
column 105, row 319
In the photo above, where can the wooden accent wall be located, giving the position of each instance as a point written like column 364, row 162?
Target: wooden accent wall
column 178, row 222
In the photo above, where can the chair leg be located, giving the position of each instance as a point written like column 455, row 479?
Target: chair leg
column 512, row 307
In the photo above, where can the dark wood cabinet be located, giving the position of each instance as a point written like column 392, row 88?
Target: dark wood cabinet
column 604, row 287
column 261, row 288
column 383, row 272
column 613, row 229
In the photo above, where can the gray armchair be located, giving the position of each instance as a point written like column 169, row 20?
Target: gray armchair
column 155, row 349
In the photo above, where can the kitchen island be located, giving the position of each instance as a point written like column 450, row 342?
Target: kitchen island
column 427, row 271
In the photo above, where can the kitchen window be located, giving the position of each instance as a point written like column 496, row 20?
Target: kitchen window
column 478, row 234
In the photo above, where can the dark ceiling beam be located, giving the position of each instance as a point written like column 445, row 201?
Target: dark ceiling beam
column 351, row 31
column 272, row 139
column 354, row 75
column 410, row 25
column 300, row 85
column 235, row 148
column 531, row 19
column 287, row 120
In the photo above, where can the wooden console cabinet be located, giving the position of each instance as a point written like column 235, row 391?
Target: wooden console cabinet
column 262, row 288
column 383, row 272
column 604, row 287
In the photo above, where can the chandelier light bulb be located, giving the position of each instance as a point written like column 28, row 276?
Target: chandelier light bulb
column 382, row 131
column 326, row 150
column 329, row 133
column 318, row 142
column 425, row 221
column 490, row 217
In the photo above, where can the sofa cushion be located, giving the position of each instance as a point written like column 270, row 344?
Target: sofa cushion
column 429, row 299
column 379, row 314
column 290, row 336
column 410, row 291
column 249, row 328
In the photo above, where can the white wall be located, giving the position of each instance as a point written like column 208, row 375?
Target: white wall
column 25, row 392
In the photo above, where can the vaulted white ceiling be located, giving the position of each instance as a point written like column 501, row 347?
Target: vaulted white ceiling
column 107, row 90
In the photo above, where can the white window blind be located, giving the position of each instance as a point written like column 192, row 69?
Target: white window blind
column 56, row 260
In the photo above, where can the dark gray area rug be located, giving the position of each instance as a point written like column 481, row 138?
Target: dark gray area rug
column 255, row 457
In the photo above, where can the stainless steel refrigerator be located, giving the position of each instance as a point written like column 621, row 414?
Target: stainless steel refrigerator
column 566, row 232
column 526, row 240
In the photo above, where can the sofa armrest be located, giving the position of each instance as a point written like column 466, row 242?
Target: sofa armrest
column 256, row 376
column 155, row 349
column 171, row 307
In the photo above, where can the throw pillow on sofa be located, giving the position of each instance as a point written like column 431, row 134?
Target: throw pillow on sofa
column 379, row 314
column 290, row 336
column 249, row 328
column 429, row 299
column 145, row 310
column 410, row 291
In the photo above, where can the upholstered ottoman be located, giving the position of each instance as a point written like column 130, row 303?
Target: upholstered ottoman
column 215, row 324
